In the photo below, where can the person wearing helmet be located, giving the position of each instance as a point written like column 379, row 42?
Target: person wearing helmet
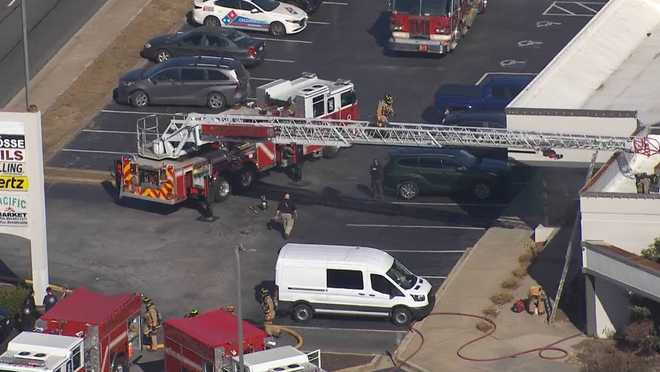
column 267, row 305
column 384, row 111
column 152, row 322
column 192, row 313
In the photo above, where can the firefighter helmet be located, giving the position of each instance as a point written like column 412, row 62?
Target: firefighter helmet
column 192, row 313
column 146, row 300
column 388, row 99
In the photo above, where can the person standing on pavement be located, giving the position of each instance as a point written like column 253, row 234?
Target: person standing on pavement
column 49, row 299
column 376, row 173
column 286, row 214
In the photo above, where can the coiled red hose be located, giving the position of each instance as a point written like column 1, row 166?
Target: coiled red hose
column 459, row 352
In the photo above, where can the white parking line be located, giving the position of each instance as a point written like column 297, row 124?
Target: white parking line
column 491, row 205
column 284, row 40
column 485, row 75
column 334, row 3
column 136, row 112
column 107, row 131
column 348, row 329
column 415, row 226
column 97, row 151
column 261, row 79
column 433, row 276
column 318, row 23
column 279, row 60
column 421, row 251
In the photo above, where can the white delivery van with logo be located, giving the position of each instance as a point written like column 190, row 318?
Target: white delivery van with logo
column 332, row 279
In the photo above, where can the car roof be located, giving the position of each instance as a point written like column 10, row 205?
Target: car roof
column 335, row 254
column 202, row 61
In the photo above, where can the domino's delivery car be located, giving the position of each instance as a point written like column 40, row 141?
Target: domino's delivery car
column 332, row 279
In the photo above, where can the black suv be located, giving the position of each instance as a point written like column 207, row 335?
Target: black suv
column 410, row 172
column 216, row 82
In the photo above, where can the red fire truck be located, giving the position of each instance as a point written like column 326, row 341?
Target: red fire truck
column 168, row 172
column 207, row 342
column 431, row 26
column 109, row 325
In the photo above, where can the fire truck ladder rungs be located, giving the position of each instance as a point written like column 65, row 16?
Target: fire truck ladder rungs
column 344, row 133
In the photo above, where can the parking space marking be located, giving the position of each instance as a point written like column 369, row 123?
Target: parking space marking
column 98, row 152
column 573, row 8
column 529, row 43
column 414, row 226
column 485, row 75
column 107, row 131
column 447, row 204
column 511, row 62
column 135, row 112
column 540, row 24
column 434, row 276
column 284, row 40
column 279, row 60
column 262, row 79
column 348, row 329
column 420, row 251
column 334, row 3
column 318, row 23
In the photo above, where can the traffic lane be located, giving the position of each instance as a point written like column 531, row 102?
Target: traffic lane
column 44, row 16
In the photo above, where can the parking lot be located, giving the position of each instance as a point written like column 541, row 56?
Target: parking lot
column 184, row 263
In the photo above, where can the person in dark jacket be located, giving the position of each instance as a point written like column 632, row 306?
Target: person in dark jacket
column 286, row 214
column 50, row 299
column 376, row 173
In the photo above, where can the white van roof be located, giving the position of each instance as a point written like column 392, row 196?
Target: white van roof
column 336, row 254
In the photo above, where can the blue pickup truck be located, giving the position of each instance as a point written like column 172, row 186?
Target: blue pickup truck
column 492, row 93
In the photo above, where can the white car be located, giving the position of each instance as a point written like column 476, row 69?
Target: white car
column 260, row 15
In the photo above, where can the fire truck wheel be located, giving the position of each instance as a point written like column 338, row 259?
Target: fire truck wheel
column 220, row 190
column 216, row 101
column 408, row 190
column 330, row 152
column 302, row 313
column 277, row 29
column 245, row 177
column 139, row 98
column 212, row 21
column 119, row 363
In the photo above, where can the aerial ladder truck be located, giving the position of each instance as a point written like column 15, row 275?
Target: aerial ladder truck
column 189, row 158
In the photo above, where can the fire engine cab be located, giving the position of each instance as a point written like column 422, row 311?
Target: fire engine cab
column 32, row 352
column 209, row 169
column 108, row 326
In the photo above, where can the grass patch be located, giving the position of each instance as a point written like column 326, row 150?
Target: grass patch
column 525, row 258
column 12, row 299
column 501, row 298
column 511, row 283
column 520, row 272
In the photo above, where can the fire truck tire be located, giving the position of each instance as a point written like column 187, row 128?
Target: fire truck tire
column 119, row 363
column 216, row 101
column 245, row 177
column 212, row 21
column 220, row 190
column 330, row 152
column 277, row 29
column 139, row 98
column 302, row 312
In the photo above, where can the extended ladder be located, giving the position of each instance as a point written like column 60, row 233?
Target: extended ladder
column 185, row 134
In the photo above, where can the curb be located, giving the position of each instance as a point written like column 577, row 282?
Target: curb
column 80, row 176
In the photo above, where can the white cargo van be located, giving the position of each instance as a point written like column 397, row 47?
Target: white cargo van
column 332, row 279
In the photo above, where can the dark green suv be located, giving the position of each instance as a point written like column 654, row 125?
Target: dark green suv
column 410, row 172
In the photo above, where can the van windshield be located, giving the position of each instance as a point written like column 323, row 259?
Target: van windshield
column 401, row 275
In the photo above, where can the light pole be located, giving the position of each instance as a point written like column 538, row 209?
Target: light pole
column 26, row 57
column 239, row 306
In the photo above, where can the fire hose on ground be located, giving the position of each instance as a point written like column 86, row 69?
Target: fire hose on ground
column 459, row 352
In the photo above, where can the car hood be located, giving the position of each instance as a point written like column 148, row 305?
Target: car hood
column 493, row 165
column 290, row 11
column 133, row 75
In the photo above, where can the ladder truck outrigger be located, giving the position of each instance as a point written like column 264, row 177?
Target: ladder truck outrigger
column 196, row 132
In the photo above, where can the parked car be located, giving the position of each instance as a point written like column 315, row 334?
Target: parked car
column 411, row 172
column 309, row 6
column 493, row 93
column 206, row 41
column 195, row 81
column 314, row 279
column 257, row 15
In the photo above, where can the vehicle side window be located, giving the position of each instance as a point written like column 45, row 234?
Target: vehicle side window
column 408, row 162
column 216, row 42
column 436, row 163
column 171, row 74
column 192, row 74
column 450, row 164
column 380, row 284
column 348, row 98
column 247, row 6
column 234, row 4
column 77, row 360
column 345, row 279
column 318, row 108
column 499, row 92
column 331, row 105
column 193, row 40
column 215, row 75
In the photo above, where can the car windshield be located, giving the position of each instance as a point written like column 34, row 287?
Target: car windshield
column 266, row 5
column 240, row 39
column 422, row 7
column 401, row 275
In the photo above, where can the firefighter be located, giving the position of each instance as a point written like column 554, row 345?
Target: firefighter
column 267, row 305
column 376, row 173
column 49, row 299
column 192, row 313
column 285, row 215
column 384, row 111
column 151, row 323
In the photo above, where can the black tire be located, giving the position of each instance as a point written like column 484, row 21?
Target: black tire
column 302, row 313
column 245, row 177
column 277, row 29
column 212, row 21
column 162, row 55
column 330, row 152
column 119, row 364
column 216, row 101
column 407, row 190
column 219, row 191
column 401, row 316
column 139, row 98
column 482, row 191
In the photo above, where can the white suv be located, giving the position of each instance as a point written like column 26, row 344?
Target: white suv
column 259, row 15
